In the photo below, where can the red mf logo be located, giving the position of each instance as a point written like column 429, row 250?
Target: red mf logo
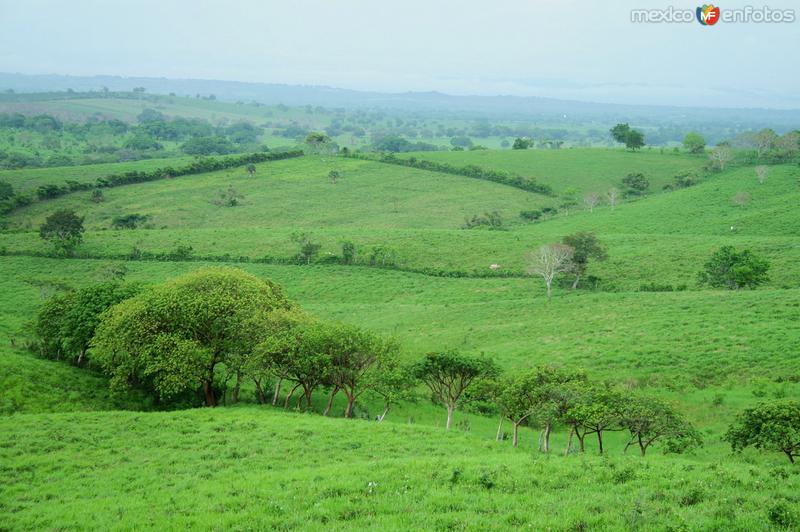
column 707, row 15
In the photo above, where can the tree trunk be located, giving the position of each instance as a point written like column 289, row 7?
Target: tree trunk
column 237, row 388
column 277, row 393
column 289, row 397
column 307, row 393
column 791, row 457
column 547, row 428
column 569, row 442
column 449, row 416
column 516, row 434
column 642, row 446
column 330, row 401
column 577, row 280
column 600, row 440
column 499, row 430
column 262, row 398
column 80, row 356
column 385, row 411
column 549, row 289
column 351, row 399
column 581, row 442
column 209, row 393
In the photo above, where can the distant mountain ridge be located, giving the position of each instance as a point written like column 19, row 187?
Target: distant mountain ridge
column 500, row 106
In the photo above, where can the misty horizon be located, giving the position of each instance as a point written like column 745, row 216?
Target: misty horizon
column 562, row 50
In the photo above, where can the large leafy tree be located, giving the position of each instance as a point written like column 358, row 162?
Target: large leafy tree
column 64, row 229
column 769, row 426
column 585, row 246
column 171, row 338
column 449, row 373
column 732, row 269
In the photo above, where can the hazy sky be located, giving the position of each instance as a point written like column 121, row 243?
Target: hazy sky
column 558, row 48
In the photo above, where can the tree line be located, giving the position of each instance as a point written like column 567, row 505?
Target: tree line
column 11, row 201
column 201, row 336
column 476, row 172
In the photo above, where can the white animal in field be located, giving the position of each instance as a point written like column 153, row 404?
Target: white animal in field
column 494, row 266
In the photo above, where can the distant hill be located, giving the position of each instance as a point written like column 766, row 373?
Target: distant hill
column 423, row 102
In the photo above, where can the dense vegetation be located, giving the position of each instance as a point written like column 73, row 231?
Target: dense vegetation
column 412, row 297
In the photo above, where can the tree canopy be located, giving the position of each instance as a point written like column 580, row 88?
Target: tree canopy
column 769, row 426
column 732, row 269
column 171, row 338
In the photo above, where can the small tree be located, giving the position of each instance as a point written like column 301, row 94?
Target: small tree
column 650, row 420
column 634, row 140
column 308, row 249
column 591, row 200
column 97, row 196
column 64, row 229
column 768, row 426
column 518, row 400
column 594, row 409
column 741, row 199
column 349, row 252
column 613, row 197
column 334, row 176
column 548, row 261
column 731, row 269
column 522, row 143
column 636, row 184
column 394, row 383
column 694, row 142
column 357, row 360
column 320, row 143
column 620, row 132
column 229, row 198
column 761, row 173
column 720, row 156
column 448, row 374
column 584, row 246
column 251, row 169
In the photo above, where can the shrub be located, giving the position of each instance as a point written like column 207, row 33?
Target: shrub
column 128, row 221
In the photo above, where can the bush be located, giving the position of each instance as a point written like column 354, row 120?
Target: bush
column 348, row 253
column 731, row 269
column 530, row 216
column 128, row 221
column 491, row 220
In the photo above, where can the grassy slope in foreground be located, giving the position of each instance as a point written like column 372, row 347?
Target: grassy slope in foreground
column 250, row 468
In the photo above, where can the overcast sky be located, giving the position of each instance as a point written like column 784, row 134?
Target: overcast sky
column 557, row 48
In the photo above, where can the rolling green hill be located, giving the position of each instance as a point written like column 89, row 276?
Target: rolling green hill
column 710, row 352
column 583, row 170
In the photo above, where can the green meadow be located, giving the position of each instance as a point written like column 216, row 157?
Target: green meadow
column 67, row 443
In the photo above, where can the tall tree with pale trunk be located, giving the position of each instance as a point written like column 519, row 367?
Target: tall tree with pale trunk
column 548, row 261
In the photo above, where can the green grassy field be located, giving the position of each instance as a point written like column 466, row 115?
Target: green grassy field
column 710, row 352
column 245, row 468
column 580, row 169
